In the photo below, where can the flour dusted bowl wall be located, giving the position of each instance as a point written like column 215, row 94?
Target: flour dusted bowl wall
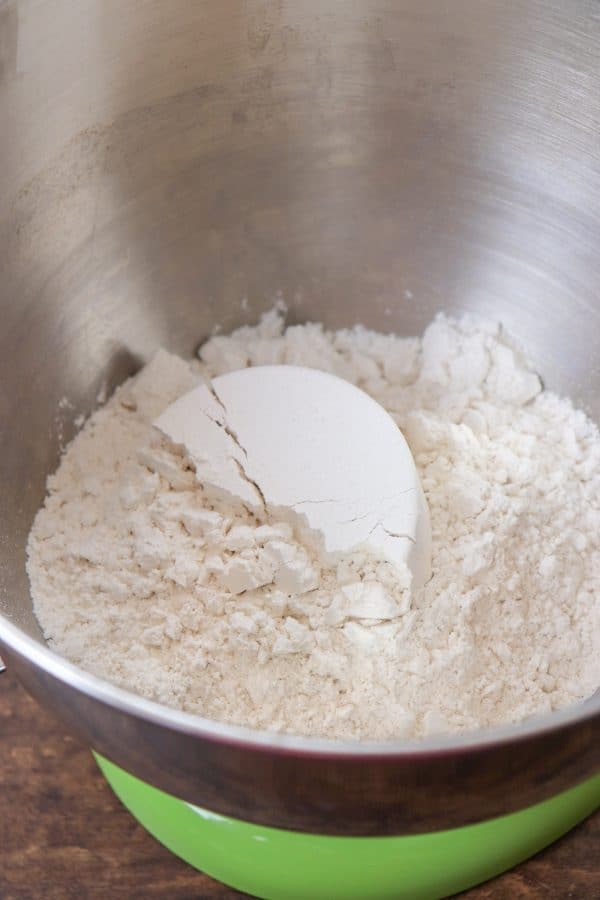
column 375, row 162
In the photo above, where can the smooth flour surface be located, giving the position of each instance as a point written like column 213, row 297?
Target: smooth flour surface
column 138, row 575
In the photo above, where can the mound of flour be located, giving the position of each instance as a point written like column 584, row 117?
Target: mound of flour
column 141, row 577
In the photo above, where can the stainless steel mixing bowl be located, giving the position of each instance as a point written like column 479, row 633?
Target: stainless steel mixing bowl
column 376, row 161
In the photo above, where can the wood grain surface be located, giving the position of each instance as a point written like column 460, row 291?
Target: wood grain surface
column 65, row 836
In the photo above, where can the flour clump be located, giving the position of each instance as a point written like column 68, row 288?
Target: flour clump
column 141, row 576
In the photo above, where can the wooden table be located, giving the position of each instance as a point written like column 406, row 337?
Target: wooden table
column 64, row 835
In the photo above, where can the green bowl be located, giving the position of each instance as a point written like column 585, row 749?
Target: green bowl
column 286, row 865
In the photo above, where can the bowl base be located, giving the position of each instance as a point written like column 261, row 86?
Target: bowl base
column 274, row 864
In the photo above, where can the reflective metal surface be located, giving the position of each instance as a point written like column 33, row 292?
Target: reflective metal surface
column 375, row 162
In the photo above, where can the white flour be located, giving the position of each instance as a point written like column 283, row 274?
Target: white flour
column 139, row 578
